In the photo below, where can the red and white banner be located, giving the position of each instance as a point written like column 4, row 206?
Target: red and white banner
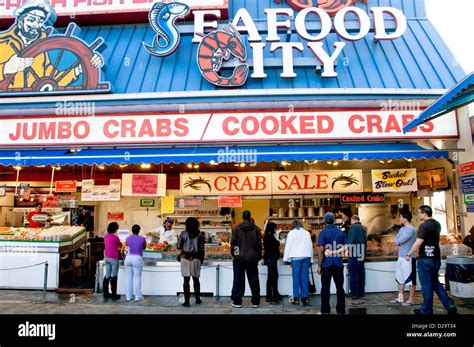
column 229, row 201
column 101, row 7
column 267, row 183
column 221, row 127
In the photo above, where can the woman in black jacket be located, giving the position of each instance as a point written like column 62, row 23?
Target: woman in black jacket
column 191, row 244
column 271, row 256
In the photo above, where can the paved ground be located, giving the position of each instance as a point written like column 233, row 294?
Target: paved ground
column 37, row 302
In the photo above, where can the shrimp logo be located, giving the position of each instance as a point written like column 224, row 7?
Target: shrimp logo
column 162, row 19
column 330, row 6
column 217, row 47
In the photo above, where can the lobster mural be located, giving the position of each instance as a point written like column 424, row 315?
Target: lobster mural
column 330, row 6
column 217, row 47
column 162, row 19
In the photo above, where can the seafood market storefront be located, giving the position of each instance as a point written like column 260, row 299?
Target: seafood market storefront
column 208, row 108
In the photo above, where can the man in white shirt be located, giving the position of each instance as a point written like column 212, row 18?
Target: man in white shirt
column 166, row 233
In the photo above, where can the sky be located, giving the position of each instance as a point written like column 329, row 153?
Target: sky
column 454, row 21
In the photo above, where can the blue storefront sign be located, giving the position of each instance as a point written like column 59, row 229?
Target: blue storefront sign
column 467, row 184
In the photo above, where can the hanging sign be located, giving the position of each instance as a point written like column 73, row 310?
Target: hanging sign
column 91, row 192
column 267, row 183
column 469, row 199
column 394, row 180
column 467, row 184
column 115, row 216
column 65, row 186
column 144, row 185
column 229, row 201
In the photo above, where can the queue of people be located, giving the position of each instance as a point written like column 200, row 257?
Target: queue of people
column 248, row 248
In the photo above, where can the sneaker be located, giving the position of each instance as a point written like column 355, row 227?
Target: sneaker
column 129, row 299
column 255, row 306
column 139, row 299
column 305, row 302
column 236, row 305
column 198, row 301
column 408, row 303
column 452, row 311
column 296, row 301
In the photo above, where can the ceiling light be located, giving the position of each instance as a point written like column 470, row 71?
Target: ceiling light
column 285, row 163
column 18, row 167
column 196, row 166
column 388, row 162
column 123, row 165
column 242, row 164
column 190, row 165
column 336, row 163
column 329, row 162
column 57, row 168
column 145, row 166
column 381, row 162
column 102, row 167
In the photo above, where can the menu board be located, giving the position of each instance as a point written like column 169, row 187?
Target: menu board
column 424, row 179
column 143, row 185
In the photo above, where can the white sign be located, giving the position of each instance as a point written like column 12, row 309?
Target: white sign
column 144, row 185
column 221, row 127
column 91, row 192
column 88, row 7
column 267, row 183
column 394, row 180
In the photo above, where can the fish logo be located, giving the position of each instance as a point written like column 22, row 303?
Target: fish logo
column 214, row 49
column 330, row 6
column 162, row 19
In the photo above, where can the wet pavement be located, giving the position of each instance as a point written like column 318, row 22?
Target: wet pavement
column 37, row 302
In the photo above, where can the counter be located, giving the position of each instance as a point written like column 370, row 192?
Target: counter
column 22, row 262
column 163, row 277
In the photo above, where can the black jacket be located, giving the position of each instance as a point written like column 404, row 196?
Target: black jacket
column 246, row 242
column 271, row 247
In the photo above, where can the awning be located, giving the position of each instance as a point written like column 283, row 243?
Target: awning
column 461, row 94
column 221, row 154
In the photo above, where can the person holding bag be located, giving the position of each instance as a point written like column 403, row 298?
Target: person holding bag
column 191, row 244
column 134, row 264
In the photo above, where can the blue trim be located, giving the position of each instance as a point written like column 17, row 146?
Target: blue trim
column 265, row 153
column 461, row 94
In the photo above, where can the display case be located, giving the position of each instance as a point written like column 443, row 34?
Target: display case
column 215, row 226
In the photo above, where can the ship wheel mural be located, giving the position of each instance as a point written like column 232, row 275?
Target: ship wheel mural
column 33, row 61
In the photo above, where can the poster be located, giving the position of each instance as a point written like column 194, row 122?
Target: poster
column 394, row 180
column 439, row 180
column 167, row 204
column 424, row 179
column 144, row 185
column 115, row 216
column 91, row 192
column 87, row 186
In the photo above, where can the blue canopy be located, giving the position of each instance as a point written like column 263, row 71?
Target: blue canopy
column 461, row 94
column 229, row 154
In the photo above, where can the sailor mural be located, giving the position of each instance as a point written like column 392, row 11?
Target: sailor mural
column 34, row 60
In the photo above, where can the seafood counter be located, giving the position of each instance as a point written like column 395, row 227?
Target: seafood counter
column 25, row 252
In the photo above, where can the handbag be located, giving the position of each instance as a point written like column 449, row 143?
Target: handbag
column 311, row 286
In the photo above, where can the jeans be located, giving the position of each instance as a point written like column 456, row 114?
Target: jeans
column 300, row 277
column 336, row 272
column 111, row 267
column 133, row 274
column 272, row 279
column 428, row 273
column 356, row 277
column 238, row 287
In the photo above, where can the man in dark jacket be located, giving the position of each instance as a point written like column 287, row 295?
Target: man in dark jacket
column 357, row 244
column 246, row 249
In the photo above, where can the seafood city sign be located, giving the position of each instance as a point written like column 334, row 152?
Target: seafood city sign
column 35, row 60
column 220, row 46
column 268, row 183
column 197, row 128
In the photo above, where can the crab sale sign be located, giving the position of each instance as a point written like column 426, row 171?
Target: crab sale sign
column 268, row 183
